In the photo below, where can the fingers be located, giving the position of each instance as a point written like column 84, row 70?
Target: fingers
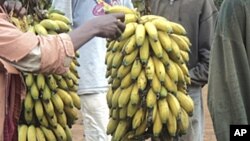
column 119, row 16
column 15, row 6
column 121, row 26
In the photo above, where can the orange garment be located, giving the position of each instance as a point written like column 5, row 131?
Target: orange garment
column 14, row 46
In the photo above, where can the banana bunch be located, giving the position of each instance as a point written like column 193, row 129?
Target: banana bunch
column 148, row 77
column 51, row 105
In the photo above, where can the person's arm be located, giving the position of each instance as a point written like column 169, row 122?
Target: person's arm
column 199, row 73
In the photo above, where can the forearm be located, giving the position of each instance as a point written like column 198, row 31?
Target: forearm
column 82, row 35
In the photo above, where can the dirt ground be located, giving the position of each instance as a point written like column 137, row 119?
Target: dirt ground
column 78, row 133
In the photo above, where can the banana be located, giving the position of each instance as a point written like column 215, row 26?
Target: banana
column 157, row 125
column 22, row 132
column 140, row 34
column 186, row 102
column 150, row 69
column 49, row 108
column 142, row 80
column 181, row 77
column 109, row 59
column 57, row 103
column 29, row 79
column 159, row 69
column 39, row 134
column 31, row 29
column 126, row 81
column 185, row 56
column 124, row 96
column 130, row 58
column 49, row 135
column 163, row 92
column 51, row 81
column 170, row 85
column 151, row 98
column 156, row 85
column 16, row 22
column 28, row 102
column 34, row 91
column 63, row 84
column 156, row 47
column 151, row 30
column 112, row 124
column 40, row 81
column 115, row 97
column 119, row 45
column 115, row 113
column 163, row 25
column 184, row 69
column 130, row 18
column 46, row 95
column 173, row 104
column 119, row 9
column 56, row 16
column 131, row 109
column 172, row 71
column 66, row 98
column 163, row 110
column 40, row 30
column 31, row 133
column 109, row 97
column 117, row 60
column 39, row 109
column 172, row 125
column 121, row 130
column 44, row 122
column 128, row 31
column 68, row 133
column 49, row 24
column 178, row 28
column 28, row 116
column 142, row 127
column 123, row 113
column 134, row 96
column 76, row 99
column 63, row 27
column 144, row 51
column 183, row 122
column 165, row 41
column 138, row 118
column 183, row 45
column 130, row 45
column 123, row 71
column 136, row 69
column 61, row 119
column 59, row 132
column 116, row 83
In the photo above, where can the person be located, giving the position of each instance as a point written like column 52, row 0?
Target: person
column 93, row 85
column 28, row 52
column 198, row 18
column 229, row 75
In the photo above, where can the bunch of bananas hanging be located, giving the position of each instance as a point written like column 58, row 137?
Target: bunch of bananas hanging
column 148, row 77
column 51, row 105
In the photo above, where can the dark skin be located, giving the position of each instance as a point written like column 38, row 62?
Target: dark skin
column 106, row 26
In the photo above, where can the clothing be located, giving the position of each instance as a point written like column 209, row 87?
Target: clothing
column 15, row 48
column 95, row 120
column 92, row 72
column 229, row 73
column 198, row 18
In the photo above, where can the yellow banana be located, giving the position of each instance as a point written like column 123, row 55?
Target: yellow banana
column 59, row 132
column 34, row 91
column 129, row 31
column 165, row 41
column 119, row 9
column 68, row 133
column 174, row 105
column 39, row 109
column 116, row 83
column 31, row 133
column 131, row 109
column 123, row 113
column 123, row 71
column 156, row 85
column 51, row 81
column 156, row 47
column 121, row 130
column 112, row 124
column 117, row 60
column 130, row 45
column 144, row 51
column 140, row 34
column 129, row 58
column 183, row 122
column 162, row 25
column 163, row 92
column 115, row 97
column 63, row 84
column 109, row 97
column 40, row 30
column 163, row 110
column 186, row 102
column 62, row 119
column 150, row 69
column 49, row 108
column 66, row 98
column 138, row 118
column 185, row 56
column 142, row 81
column 172, row 125
column 136, row 69
column 124, row 96
column 44, row 122
column 76, row 99
column 58, row 103
column 157, row 125
column 159, row 69
column 50, row 24
column 46, row 95
column 71, row 112
column 63, row 27
column 29, row 79
column 177, row 28
column 40, row 135
column 183, row 45
column 134, row 96
column 28, row 102
column 22, row 132
column 151, row 98
column 170, row 85
column 172, row 71
column 151, row 30
column 56, row 16
column 181, row 78
column 49, row 135
column 130, row 18
column 28, row 116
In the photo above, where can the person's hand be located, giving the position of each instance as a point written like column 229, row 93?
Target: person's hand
column 108, row 26
column 15, row 7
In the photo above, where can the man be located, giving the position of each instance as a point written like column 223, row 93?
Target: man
column 28, row 52
column 93, row 85
column 229, row 73
column 198, row 18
